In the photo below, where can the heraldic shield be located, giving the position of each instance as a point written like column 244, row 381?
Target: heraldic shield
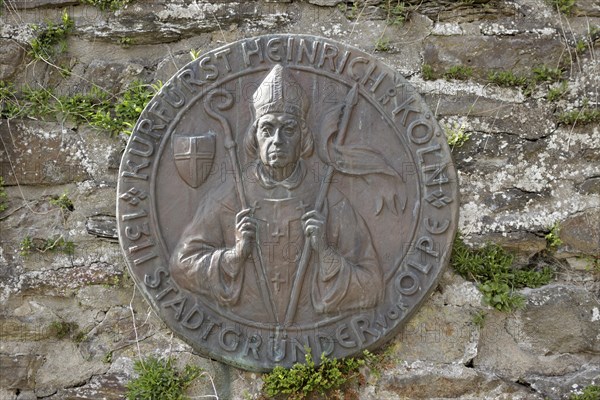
column 194, row 157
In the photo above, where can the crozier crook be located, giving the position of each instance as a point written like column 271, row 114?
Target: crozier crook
column 230, row 146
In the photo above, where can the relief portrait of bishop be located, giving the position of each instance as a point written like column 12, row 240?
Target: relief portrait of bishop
column 218, row 254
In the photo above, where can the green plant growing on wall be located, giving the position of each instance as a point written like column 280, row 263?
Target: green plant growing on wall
column 123, row 280
column 396, row 12
column 50, row 39
column 7, row 91
column 351, row 12
column 79, row 337
column 500, row 296
column 563, row 6
column 553, row 236
column 593, row 263
column 303, row 379
column 131, row 104
column 479, row 318
column 556, row 92
column 491, row 267
column 383, row 45
column 580, row 46
column 591, row 392
column 3, row 196
column 9, row 104
column 26, row 246
column 195, row 54
column 82, row 108
column 381, row 361
column 114, row 114
column 62, row 329
column 159, row 379
column 104, row 5
column 427, row 72
column 458, row 72
column 543, row 73
column 456, row 135
column 59, row 244
column 582, row 116
column 63, row 202
column 108, row 357
column 126, row 41
column 38, row 102
column 507, row 79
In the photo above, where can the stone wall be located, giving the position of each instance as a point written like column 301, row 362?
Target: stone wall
column 71, row 325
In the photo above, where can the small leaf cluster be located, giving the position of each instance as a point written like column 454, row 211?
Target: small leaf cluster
column 195, row 54
column 104, row 5
column 458, row 72
column 159, row 379
column 383, row 45
column 116, row 114
column 63, row 202
column 564, row 6
column 491, row 267
column 479, row 318
column 62, row 329
column 580, row 46
column 556, row 92
column 42, row 246
column 108, row 357
column 50, row 38
column 3, row 196
column 303, row 379
column 427, row 72
column 351, row 12
column 126, row 41
column 396, row 11
column 591, row 392
column 456, row 135
column 543, row 73
column 552, row 77
column 26, row 246
column 553, row 237
column 507, row 79
column 582, row 116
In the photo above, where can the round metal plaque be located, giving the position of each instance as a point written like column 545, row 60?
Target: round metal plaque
column 286, row 193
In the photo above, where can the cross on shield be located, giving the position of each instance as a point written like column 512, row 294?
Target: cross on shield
column 194, row 157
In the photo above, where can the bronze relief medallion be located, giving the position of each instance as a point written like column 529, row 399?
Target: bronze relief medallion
column 285, row 194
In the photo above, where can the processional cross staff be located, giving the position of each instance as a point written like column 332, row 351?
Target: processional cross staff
column 349, row 103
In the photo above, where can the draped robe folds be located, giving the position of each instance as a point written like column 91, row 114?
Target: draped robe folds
column 198, row 265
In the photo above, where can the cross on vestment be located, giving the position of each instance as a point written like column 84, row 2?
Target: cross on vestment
column 277, row 279
column 196, row 157
column 302, row 207
column 277, row 234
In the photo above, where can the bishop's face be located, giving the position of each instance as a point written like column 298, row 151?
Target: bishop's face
column 279, row 140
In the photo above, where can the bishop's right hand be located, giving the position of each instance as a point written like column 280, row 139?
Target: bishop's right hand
column 245, row 233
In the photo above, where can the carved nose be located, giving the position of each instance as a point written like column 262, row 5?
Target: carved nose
column 277, row 137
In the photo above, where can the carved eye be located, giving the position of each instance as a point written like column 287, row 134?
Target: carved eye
column 266, row 131
column 288, row 131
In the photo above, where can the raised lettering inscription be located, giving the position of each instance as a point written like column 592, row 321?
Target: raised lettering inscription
column 286, row 195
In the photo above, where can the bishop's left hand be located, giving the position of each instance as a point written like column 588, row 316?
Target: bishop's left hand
column 314, row 228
